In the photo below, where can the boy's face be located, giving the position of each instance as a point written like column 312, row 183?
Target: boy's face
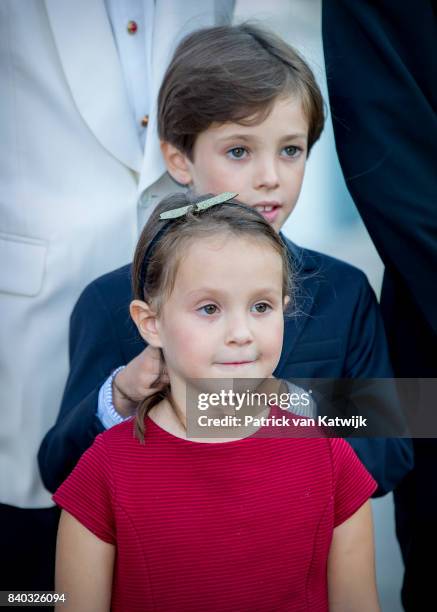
column 263, row 163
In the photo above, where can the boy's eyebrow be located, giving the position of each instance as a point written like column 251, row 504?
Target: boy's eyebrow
column 245, row 137
column 293, row 136
column 250, row 137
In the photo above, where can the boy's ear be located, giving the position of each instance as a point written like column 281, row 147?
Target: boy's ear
column 177, row 163
column 145, row 320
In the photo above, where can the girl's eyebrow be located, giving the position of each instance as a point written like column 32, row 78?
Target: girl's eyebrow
column 215, row 291
column 203, row 290
column 204, row 293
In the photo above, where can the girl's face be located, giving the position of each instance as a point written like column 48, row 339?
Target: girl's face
column 224, row 317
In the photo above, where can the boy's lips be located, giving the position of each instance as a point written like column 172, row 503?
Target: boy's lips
column 269, row 210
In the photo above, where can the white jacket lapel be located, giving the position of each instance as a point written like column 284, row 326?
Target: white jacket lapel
column 173, row 20
column 89, row 58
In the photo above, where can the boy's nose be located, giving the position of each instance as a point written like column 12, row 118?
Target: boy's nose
column 267, row 176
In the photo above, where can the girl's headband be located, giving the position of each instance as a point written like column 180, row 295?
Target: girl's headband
column 198, row 206
column 175, row 214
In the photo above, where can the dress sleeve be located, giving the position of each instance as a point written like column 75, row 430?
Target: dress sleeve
column 353, row 485
column 87, row 494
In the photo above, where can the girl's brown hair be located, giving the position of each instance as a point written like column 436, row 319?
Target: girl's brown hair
column 160, row 250
column 232, row 73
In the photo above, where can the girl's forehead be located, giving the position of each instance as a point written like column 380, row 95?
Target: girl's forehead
column 217, row 245
column 229, row 259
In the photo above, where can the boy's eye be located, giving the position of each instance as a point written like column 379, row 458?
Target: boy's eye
column 208, row 309
column 237, row 152
column 262, row 307
column 292, row 151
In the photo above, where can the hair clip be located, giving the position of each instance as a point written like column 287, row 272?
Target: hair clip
column 202, row 205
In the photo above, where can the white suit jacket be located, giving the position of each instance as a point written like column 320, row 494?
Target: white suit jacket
column 75, row 190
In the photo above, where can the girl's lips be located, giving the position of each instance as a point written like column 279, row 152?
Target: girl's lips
column 234, row 363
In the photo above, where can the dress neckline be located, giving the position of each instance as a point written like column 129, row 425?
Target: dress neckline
column 165, row 433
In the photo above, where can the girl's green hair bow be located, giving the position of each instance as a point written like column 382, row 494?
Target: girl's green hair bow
column 202, row 205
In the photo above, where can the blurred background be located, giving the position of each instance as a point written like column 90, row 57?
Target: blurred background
column 326, row 220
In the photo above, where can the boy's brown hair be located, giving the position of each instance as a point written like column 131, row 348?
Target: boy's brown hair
column 232, row 73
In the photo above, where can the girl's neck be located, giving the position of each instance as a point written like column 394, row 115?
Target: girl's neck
column 171, row 418
column 179, row 413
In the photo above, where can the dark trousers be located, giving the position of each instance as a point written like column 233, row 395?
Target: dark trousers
column 416, row 528
column 28, row 546
column 413, row 346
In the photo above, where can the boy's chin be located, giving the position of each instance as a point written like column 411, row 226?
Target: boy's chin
column 273, row 217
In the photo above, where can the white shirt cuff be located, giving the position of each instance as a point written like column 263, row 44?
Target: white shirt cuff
column 106, row 411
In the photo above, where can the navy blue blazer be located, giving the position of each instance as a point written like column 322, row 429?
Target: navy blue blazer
column 337, row 332
column 383, row 98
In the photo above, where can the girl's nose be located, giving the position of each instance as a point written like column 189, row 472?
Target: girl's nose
column 238, row 331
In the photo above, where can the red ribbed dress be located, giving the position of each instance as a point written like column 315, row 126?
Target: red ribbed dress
column 239, row 526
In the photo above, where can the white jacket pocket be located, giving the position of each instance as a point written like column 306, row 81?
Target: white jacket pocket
column 22, row 264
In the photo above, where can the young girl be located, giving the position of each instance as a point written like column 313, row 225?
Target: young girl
column 153, row 520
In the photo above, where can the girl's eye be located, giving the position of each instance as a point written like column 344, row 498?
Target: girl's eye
column 292, row 151
column 261, row 307
column 208, row 309
column 237, row 153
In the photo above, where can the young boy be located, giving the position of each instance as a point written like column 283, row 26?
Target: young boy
column 239, row 110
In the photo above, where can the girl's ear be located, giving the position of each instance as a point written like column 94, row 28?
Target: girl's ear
column 145, row 319
column 286, row 301
column 177, row 163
